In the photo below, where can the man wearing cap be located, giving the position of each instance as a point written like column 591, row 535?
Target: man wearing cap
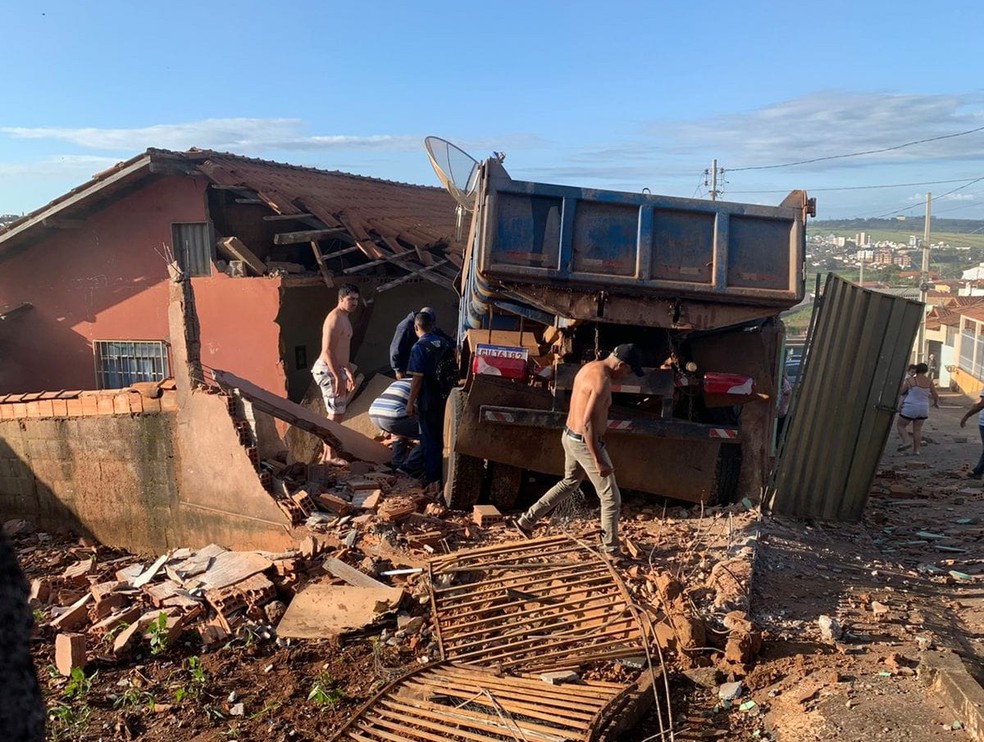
column 405, row 338
column 584, row 446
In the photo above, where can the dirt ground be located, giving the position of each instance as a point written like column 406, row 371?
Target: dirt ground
column 908, row 575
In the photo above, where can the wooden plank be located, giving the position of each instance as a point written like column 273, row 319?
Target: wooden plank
column 351, row 575
column 487, row 723
column 524, row 708
column 515, row 582
column 350, row 444
column 411, row 275
column 518, row 689
column 322, row 268
column 399, row 722
column 306, row 235
column 287, row 217
column 547, row 597
column 234, row 248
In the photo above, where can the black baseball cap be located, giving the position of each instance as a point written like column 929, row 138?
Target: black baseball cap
column 628, row 353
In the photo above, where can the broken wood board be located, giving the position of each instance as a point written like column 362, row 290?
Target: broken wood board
column 350, row 444
column 234, row 248
column 228, row 568
column 321, row 611
column 351, row 575
column 357, row 409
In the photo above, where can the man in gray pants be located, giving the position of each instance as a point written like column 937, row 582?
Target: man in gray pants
column 584, row 446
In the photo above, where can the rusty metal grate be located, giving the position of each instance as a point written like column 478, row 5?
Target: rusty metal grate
column 457, row 703
column 532, row 606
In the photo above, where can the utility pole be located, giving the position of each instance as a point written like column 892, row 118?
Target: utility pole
column 924, row 284
column 711, row 179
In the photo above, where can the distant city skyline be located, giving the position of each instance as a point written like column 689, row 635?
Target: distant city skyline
column 862, row 105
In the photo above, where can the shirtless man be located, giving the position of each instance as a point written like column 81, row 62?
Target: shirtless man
column 584, row 446
column 331, row 371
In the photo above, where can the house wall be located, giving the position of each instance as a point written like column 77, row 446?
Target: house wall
column 106, row 281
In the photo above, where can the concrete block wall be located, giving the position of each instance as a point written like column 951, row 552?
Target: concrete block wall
column 109, row 476
column 147, row 480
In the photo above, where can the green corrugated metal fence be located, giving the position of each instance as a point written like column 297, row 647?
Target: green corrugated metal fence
column 843, row 408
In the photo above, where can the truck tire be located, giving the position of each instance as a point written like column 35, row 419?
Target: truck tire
column 504, row 484
column 463, row 474
column 726, row 474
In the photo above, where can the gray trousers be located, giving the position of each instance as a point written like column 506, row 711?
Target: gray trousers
column 578, row 464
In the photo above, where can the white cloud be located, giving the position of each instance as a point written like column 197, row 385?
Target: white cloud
column 835, row 123
column 239, row 135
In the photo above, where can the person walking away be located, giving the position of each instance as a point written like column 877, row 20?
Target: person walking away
column 584, row 445
column 430, row 359
column 916, row 392
column 978, row 471
column 331, row 371
column 388, row 412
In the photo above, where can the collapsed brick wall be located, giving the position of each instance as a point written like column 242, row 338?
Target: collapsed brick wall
column 134, row 472
column 97, row 473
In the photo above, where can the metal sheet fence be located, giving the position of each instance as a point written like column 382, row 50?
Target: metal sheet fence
column 842, row 412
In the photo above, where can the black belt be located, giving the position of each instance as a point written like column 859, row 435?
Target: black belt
column 571, row 434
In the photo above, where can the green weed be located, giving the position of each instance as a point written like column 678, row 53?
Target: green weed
column 324, row 692
column 157, row 632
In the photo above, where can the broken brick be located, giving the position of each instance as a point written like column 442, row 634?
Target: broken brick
column 333, row 503
column 40, row 590
column 75, row 616
column 486, row 515
column 76, row 574
column 69, row 652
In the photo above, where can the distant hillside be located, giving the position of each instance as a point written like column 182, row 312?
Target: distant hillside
column 906, row 226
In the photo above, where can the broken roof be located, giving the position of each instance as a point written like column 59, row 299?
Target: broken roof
column 385, row 219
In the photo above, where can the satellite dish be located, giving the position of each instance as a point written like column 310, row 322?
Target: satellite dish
column 456, row 169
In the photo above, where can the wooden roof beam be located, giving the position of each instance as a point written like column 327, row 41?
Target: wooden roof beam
column 307, row 235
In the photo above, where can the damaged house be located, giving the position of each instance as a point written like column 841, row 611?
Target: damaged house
column 84, row 307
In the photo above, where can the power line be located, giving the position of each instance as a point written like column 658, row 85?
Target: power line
column 861, row 188
column 912, row 206
column 859, row 154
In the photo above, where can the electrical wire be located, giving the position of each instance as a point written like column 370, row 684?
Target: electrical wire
column 859, row 154
column 864, row 187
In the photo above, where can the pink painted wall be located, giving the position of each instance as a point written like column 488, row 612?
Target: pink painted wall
column 105, row 281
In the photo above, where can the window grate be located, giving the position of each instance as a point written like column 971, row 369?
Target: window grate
column 120, row 363
column 193, row 247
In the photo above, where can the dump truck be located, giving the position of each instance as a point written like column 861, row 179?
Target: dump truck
column 555, row 276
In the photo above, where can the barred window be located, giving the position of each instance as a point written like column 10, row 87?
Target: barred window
column 193, row 247
column 120, row 363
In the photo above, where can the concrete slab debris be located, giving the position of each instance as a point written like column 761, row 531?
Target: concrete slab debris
column 321, row 611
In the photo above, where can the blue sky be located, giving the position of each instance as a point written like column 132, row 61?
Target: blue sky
column 623, row 95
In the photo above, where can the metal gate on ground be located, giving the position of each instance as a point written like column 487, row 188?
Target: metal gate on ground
column 842, row 410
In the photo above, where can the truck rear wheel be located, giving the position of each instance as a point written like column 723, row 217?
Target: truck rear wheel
column 463, row 474
column 726, row 474
column 504, row 484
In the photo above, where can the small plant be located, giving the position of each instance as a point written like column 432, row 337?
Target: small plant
column 157, row 632
column 78, row 685
column 40, row 617
column 68, row 721
column 198, row 680
column 324, row 692
column 134, row 696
